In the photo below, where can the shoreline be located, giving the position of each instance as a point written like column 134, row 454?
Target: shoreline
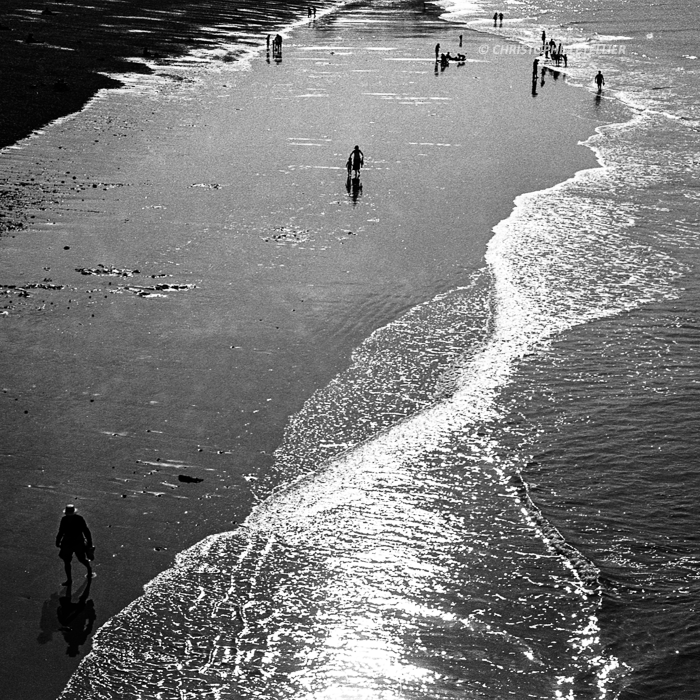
column 58, row 56
column 322, row 374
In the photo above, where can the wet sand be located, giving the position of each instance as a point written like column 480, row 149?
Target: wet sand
column 57, row 55
column 230, row 190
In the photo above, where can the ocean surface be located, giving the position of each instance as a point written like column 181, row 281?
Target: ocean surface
column 498, row 497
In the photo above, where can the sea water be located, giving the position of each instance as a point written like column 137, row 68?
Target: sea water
column 522, row 523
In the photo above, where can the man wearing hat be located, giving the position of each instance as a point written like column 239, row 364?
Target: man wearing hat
column 74, row 537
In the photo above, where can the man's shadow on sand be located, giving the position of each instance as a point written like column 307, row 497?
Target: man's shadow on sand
column 74, row 619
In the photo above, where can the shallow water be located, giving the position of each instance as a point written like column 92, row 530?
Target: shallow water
column 607, row 429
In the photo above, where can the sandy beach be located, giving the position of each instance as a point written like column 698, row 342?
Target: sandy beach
column 190, row 269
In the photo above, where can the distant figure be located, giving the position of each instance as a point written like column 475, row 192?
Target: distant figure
column 356, row 160
column 500, row 18
column 599, row 81
column 495, row 18
column 268, row 43
column 535, row 66
column 308, row 12
column 566, row 60
column 74, row 537
column 437, row 51
column 460, row 40
column 544, row 38
column 277, row 45
column 313, row 9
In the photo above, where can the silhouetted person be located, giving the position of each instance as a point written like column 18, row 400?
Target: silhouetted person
column 313, row 9
column 437, row 51
column 268, row 42
column 460, row 40
column 74, row 537
column 356, row 160
column 544, row 38
column 500, row 18
column 535, row 65
column 566, row 60
column 599, row 81
column 495, row 18
column 277, row 45
column 76, row 619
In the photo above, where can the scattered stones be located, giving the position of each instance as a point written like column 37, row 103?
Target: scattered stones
column 288, row 235
column 22, row 290
column 157, row 289
column 207, row 185
column 111, row 271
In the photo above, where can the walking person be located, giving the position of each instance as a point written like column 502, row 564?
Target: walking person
column 74, row 537
column 356, row 160
column 599, row 81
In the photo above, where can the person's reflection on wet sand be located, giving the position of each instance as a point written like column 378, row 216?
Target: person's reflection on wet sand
column 49, row 622
column 353, row 185
column 76, row 619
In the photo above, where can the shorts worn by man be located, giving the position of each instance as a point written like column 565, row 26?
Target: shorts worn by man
column 74, row 537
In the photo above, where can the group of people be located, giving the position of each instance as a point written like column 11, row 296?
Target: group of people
column 497, row 18
column 311, row 11
column 556, row 54
column 276, row 44
column 551, row 50
column 445, row 58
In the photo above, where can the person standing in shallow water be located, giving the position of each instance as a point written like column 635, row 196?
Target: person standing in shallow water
column 74, row 537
